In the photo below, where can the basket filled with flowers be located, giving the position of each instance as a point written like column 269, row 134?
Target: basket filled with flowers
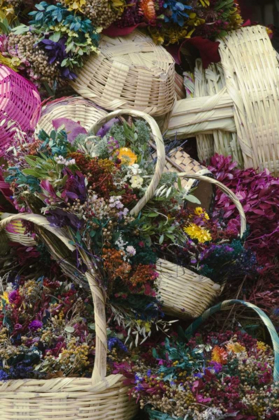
column 79, row 200
column 208, row 375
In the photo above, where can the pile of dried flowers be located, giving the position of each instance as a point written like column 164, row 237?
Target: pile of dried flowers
column 214, row 376
column 59, row 35
column 258, row 192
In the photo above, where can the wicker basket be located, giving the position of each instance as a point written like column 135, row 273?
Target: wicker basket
column 184, row 293
column 98, row 398
column 19, row 106
column 129, row 72
column 77, row 109
column 247, row 106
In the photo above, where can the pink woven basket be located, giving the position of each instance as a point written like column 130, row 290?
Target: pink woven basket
column 20, row 105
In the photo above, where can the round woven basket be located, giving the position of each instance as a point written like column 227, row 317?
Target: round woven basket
column 184, row 293
column 100, row 397
column 129, row 72
column 20, row 106
column 77, row 109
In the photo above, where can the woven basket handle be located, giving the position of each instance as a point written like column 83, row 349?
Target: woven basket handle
column 265, row 319
column 159, row 142
column 100, row 365
column 227, row 191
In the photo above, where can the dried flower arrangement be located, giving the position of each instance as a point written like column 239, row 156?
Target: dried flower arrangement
column 59, row 36
column 214, row 376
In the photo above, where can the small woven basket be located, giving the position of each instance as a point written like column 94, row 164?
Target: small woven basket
column 129, row 72
column 184, row 293
column 96, row 398
column 19, row 106
column 77, row 109
column 248, row 105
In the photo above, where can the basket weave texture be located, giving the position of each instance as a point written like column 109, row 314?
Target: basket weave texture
column 100, row 397
column 129, row 72
column 19, row 105
column 248, row 105
column 210, row 82
column 184, row 293
column 179, row 161
column 77, row 109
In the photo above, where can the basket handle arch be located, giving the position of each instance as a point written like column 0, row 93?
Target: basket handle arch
column 159, row 142
column 227, row 191
column 100, row 365
column 265, row 319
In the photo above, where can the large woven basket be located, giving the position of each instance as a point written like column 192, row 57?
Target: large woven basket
column 184, row 293
column 129, row 72
column 100, row 397
column 96, row 398
column 19, row 106
column 248, row 105
column 77, row 109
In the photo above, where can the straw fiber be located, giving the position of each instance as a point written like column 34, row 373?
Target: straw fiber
column 248, row 105
column 77, row 109
column 184, row 293
column 209, row 82
column 19, row 106
column 129, row 72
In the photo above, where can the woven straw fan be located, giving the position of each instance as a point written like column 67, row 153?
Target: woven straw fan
column 209, row 82
column 129, row 72
column 248, row 105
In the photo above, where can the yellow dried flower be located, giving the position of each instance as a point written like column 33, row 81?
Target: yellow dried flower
column 261, row 346
column 200, row 212
column 196, row 232
column 76, row 5
column 205, row 3
column 127, row 156
column 236, row 348
column 13, row 63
